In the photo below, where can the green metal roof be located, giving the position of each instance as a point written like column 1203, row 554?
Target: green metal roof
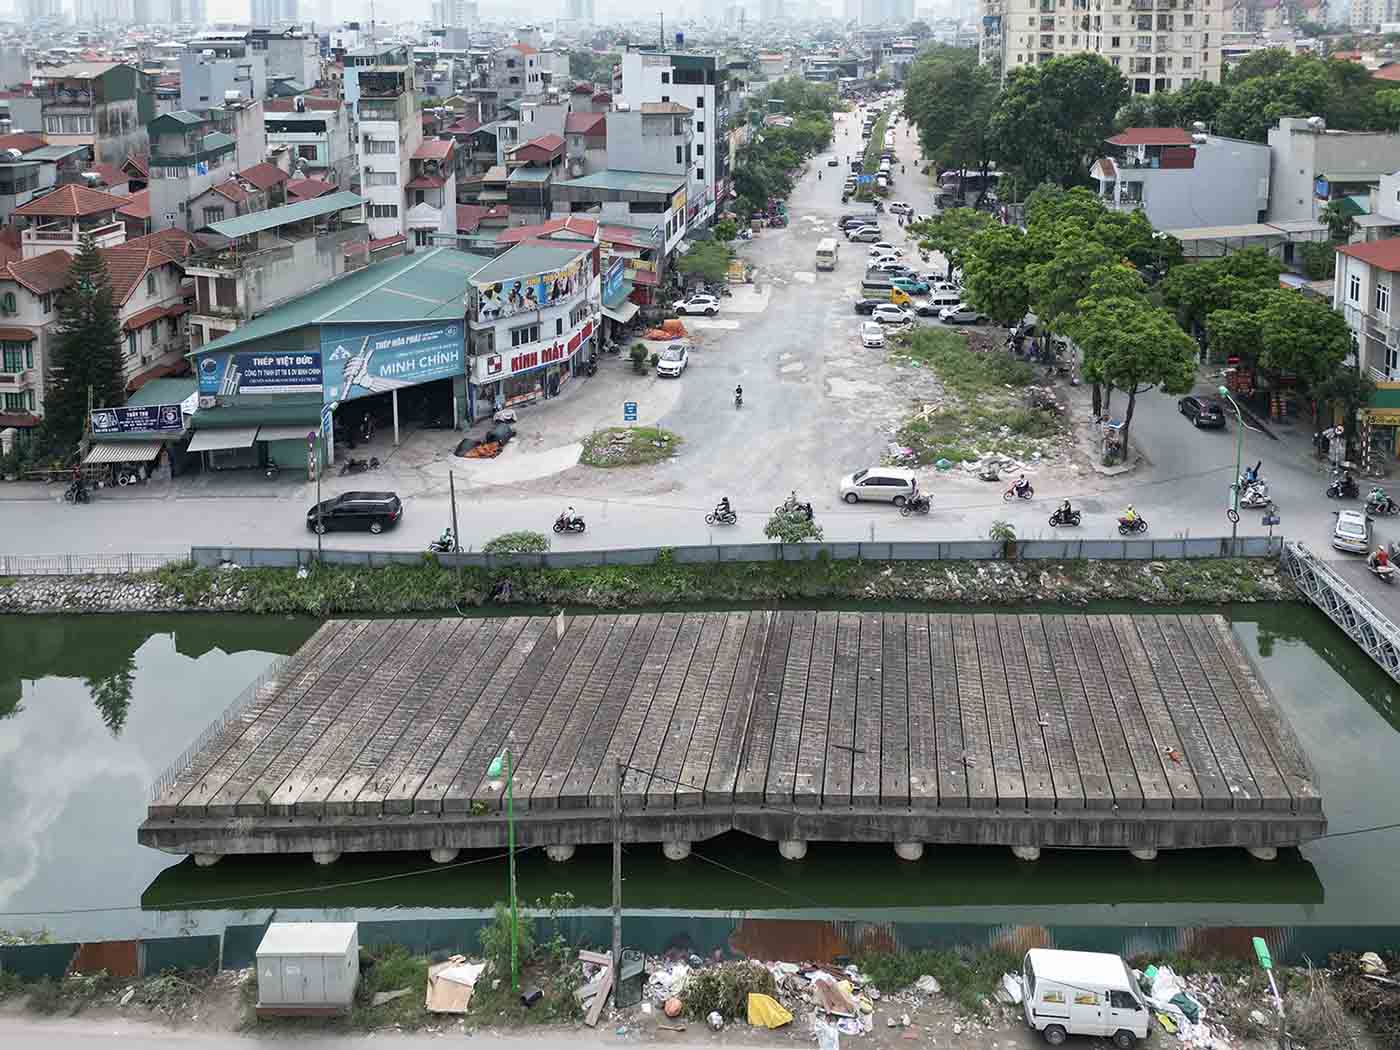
column 530, row 175
column 178, row 116
column 216, row 140
column 258, row 221
column 262, row 410
column 54, row 152
column 163, row 391
column 1386, row 397
column 419, row 287
column 526, row 259
column 635, row 181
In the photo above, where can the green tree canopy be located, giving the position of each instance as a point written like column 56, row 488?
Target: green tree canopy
column 706, row 259
column 87, row 353
column 949, row 97
column 994, row 273
column 1197, row 289
column 950, row 232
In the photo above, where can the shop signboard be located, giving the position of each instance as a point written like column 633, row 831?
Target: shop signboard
column 133, row 418
column 612, row 281
column 227, row 373
column 491, row 367
column 494, row 300
column 365, row 359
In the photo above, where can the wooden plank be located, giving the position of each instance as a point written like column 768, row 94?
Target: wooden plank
column 284, row 748
column 1050, row 715
column 709, row 716
column 670, row 761
column 865, row 769
column 1165, row 740
column 977, row 747
column 591, row 757
column 816, row 721
column 604, row 990
column 841, row 728
column 1001, row 725
column 923, row 745
column 1147, row 757
column 441, row 650
column 554, row 769
column 947, row 714
column 655, row 723
column 894, row 712
column 734, row 726
column 1283, row 744
column 1239, row 778
column 1025, row 716
column 1122, row 773
column 1196, row 751
column 792, row 702
column 763, row 715
column 1083, row 735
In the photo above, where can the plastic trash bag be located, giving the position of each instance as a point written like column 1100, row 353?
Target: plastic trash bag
column 766, row 1011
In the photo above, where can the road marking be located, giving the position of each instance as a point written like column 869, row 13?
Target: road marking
column 805, row 277
column 701, row 324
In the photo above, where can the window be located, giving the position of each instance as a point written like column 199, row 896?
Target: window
column 665, row 98
column 381, row 178
column 13, row 356
column 213, row 215
column 422, row 238
column 700, row 127
column 700, row 174
column 558, row 326
column 1115, row 42
column 383, row 211
column 150, row 282
column 380, row 146
column 678, row 156
column 16, row 402
column 510, row 63
column 1122, row 1001
column 130, row 344
column 46, row 300
column 525, row 334
column 699, row 149
column 306, row 152
column 1382, row 299
column 699, row 101
column 665, row 78
column 1185, row 61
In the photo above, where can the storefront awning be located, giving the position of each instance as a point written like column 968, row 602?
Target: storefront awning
column 123, row 452
column 287, row 432
column 623, row 312
column 226, row 437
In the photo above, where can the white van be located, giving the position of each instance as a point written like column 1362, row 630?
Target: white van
column 938, row 300
column 827, row 251
column 1082, row 993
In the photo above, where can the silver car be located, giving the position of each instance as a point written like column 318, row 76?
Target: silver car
column 1352, row 532
column 891, row 484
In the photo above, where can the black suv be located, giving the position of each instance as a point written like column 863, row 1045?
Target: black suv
column 375, row 511
column 1202, row 411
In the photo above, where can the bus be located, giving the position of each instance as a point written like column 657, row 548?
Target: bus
column 827, row 250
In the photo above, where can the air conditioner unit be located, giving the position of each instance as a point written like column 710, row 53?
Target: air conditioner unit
column 206, row 400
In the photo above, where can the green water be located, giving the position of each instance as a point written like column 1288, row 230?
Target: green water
column 93, row 708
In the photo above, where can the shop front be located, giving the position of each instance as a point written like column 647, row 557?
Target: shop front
column 1378, row 426
column 143, row 439
column 527, row 375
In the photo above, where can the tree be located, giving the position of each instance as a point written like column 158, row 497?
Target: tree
column 950, row 232
column 1301, row 337
column 1197, row 289
column 949, row 98
column 1319, row 259
column 87, row 353
column 994, row 273
column 792, row 526
column 726, row 230
column 708, row 260
column 1340, row 225
column 592, row 67
column 1057, row 285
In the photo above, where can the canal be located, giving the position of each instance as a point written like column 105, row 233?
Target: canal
column 92, row 709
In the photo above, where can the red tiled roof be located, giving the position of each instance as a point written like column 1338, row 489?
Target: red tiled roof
column 110, row 174
column 71, row 201
column 586, row 124
column 144, row 317
column 470, row 216
column 603, row 96
column 550, row 143
column 9, row 251
column 43, row 273
column 177, row 244
column 524, row 49
column 462, row 126
column 22, row 141
column 128, row 263
column 1390, row 72
column 287, row 105
column 426, row 182
column 434, row 149
column 138, row 205
column 264, row 176
column 307, row 189
column 628, row 238
column 1152, row 137
column 386, row 242
column 140, row 161
column 1384, row 255
column 231, row 190
column 585, row 229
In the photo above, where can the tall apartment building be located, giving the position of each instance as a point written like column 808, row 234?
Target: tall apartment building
column 881, row 12
column 771, row 10
column 1369, row 14
column 272, row 12
column 701, row 83
column 380, row 84
column 1159, row 45
column 579, row 11
column 215, row 66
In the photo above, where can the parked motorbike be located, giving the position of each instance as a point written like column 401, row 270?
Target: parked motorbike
column 1059, row 518
column 1126, row 527
column 271, row 471
column 444, row 544
column 1379, row 504
column 1342, row 488
column 722, row 517
column 359, row 466
column 127, row 476
column 793, row 505
column 591, row 368
column 77, row 492
column 920, row 504
column 566, row 524
column 1026, row 491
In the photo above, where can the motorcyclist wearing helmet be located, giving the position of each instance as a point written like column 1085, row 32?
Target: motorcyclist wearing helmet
column 1130, row 515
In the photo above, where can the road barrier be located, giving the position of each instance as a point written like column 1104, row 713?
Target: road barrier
column 86, row 564
column 1344, row 605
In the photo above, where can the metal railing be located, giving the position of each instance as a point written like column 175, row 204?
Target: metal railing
column 1345, row 606
column 86, row 564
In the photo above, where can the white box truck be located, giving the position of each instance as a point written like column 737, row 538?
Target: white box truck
column 1082, row 993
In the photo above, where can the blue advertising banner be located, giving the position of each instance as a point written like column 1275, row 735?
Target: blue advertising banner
column 364, row 359
column 132, row 419
column 275, row 373
column 612, row 281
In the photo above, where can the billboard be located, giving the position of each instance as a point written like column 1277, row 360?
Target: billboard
column 612, row 281
column 494, row 300
column 132, row 419
column 230, row 373
column 364, row 359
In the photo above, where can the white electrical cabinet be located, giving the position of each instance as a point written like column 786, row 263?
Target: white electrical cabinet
column 307, row 968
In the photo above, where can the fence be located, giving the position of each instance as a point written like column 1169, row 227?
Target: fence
column 85, row 564
column 946, row 550
column 1367, row 626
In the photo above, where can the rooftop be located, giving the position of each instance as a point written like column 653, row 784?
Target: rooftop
column 264, row 176
column 1384, row 255
column 1152, row 137
column 586, row 124
column 76, row 71
column 434, row 149
column 70, row 202
column 288, row 105
column 307, row 189
column 137, row 206
column 272, row 218
column 628, row 181
column 674, row 108
column 576, row 226
column 528, row 258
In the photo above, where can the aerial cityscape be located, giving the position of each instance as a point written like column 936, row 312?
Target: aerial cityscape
column 506, row 512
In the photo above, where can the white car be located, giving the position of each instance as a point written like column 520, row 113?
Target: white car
column 899, row 208
column 960, row 314
column 891, row 484
column 1352, row 532
column 872, row 334
column 887, row 248
column 673, row 360
column 889, row 313
column 697, row 304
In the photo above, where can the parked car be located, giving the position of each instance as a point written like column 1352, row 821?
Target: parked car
column 889, row 313
column 864, row 235
column 891, row 484
column 697, row 304
column 1351, row 532
column 832, row 162
column 937, row 284
column 673, row 360
column 961, row 314
column 912, row 285
column 872, row 334
column 892, row 268
column 1202, row 411
column 900, row 208
column 929, row 309
column 887, row 248
column 375, row 511
column 864, row 306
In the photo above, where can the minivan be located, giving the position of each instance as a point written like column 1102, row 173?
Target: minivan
column 1068, row 993
column 891, row 484
column 375, row 511
column 865, row 235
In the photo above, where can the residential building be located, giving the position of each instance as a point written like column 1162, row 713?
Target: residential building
column 28, row 315
column 288, row 54
column 252, row 190
column 257, row 262
column 771, row 64
column 272, row 12
column 59, row 220
column 317, row 133
column 188, row 156
column 431, row 194
column 217, row 68
column 586, row 136
column 1159, row 45
column 655, row 137
column 520, row 69
column 1313, row 165
column 1365, row 291
column 1183, row 180
column 104, row 105
column 390, row 134
column 242, row 120
column 651, row 202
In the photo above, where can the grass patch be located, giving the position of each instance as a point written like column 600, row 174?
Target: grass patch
column 628, row 446
column 964, row 372
column 966, row 977
column 392, row 968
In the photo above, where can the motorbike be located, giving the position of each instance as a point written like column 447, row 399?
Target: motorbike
column 722, row 517
column 738, row 400
column 920, row 504
column 359, row 466
column 565, row 524
column 1342, row 488
column 1379, row 504
column 127, row 476
column 76, row 493
column 1385, row 573
column 1026, row 491
column 1126, row 527
column 444, row 544
column 793, row 505
column 591, row 368
column 612, row 346
column 271, row 471
column 1059, row 518
column 1256, row 497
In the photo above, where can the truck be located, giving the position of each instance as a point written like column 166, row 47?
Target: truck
column 1068, row 993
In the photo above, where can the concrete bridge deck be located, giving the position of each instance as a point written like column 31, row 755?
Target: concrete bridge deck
column 1129, row 732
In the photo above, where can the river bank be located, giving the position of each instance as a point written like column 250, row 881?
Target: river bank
column 428, row 587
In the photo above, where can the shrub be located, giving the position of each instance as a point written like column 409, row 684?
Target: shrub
column 523, row 541
column 653, row 359
column 792, row 526
column 638, row 354
column 495, row 940
column 1002, row 531
column 726, row 988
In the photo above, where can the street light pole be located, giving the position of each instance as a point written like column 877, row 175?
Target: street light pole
column 1235, row 485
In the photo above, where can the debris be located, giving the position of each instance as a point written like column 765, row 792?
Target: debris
column 766, row 1011
column 849, row 1026
column 928, row 985
column 601, row 986
column 902, row 1021
column 670, row 1028
column 1371, row 963
column 531, row 997
column 1011, row 988
column 451, row 984
column 831, row 997
column 672, row 1007
column 828, row 1035
column 128, row 995
column 380, row 998
column 715, row 1021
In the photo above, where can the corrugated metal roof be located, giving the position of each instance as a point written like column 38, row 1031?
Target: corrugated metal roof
column 528, row 258
column 258, row 221
column 636, row 181
column 163, row 391
column 123, row 452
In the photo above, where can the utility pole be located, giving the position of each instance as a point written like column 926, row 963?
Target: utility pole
column 456, row 536
column 617, row 877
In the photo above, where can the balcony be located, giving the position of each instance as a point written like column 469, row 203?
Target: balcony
column 15, row 381
column 67, row 235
